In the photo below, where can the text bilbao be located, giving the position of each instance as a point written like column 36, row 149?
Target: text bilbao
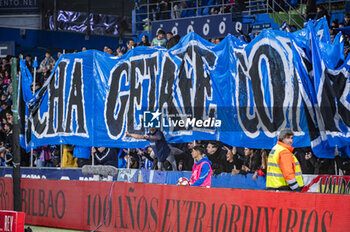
column 191, row 81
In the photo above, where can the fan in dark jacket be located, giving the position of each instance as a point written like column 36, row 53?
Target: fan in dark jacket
column 105, row 156
column 217, row 156
column 252, row 161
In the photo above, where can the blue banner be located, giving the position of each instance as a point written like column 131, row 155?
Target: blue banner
column 324, row 86
column 206, row 27
column 241, row 94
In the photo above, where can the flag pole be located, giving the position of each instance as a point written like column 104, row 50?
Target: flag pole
column 33, row 91
column 16, row 176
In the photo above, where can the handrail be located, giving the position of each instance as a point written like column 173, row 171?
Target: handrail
column 283, row 10
column 262, row 6
column 149, row 6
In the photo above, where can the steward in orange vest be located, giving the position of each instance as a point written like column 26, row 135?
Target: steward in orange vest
column 283, row 168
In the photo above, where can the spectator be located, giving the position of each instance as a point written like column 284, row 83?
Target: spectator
column 246, row 38
column 109, row 51
column 159, row 41
column 3, row 156
column 144, row 41
column 55, row 155
column 122, row 158
column 169, row 36
column 311, row 10
column 4, row 109
column 8, row 135
column 201, row 172
column 105, row 49
column 343, row 161
column 164, row 8
column 232, row 160
column 105, row 156
column 83, row 49
column 335, row 23
column 306, row 159
column 172, row 40
column 6, row 64
column 43, row 76
column 120, row 51
column 252, row 161
column 217, row 41
column 347, row 20
column 262, row 171
column 4, row 97
column 146, row 158
column 324, row 166
column 227, row 8
column 177, row 9
column 9, row 118
column 48, row 63
column 7, row 77
column 217, row 156
column 159, row 146
column 68, row 160
column 43, row 156
column 322, row 12
column 9, row 92
column 185, row 161
column 29, row 62
column 130, row 44
column 133, row 159
column 216, row 9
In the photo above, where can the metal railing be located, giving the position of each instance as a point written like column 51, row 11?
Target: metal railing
column 153, row 11
column 272, row 8
column 148, row 12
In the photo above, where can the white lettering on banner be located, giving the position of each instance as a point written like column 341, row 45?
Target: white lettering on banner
column 62, row 117
column 263, row 96
column 87, row 178
column 30, row 176
column 267, row 60
column 174, row 93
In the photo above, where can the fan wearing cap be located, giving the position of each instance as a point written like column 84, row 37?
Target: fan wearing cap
column 283, row 168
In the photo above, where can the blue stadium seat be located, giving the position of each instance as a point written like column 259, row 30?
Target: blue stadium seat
column 337, row 15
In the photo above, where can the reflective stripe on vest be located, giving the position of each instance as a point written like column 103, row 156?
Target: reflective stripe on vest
column 274, row 176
